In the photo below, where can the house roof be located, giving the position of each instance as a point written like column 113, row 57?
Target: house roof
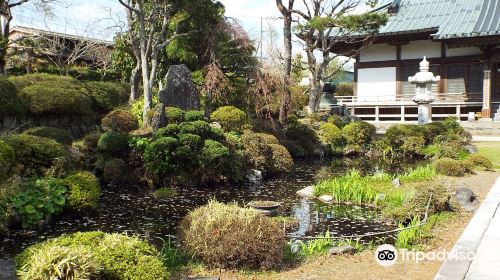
column 34, row 32
column 446, row 19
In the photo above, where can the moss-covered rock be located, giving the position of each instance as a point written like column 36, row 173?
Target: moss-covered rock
column 59, row 135
column 35, row 153
column 120, row 121
column 115, row 171
column 119, row 257
column 231, row 118
column 83, row 191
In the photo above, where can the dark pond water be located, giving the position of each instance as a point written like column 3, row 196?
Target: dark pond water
column 135, row 211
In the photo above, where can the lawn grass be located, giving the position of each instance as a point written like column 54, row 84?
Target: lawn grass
column 490, row 150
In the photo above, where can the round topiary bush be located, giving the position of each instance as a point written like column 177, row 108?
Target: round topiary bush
column 192, row 116
column 268, row 138
column 59, row 262
column 120, row 121
column 35, row 153
column 228, row 236
column 231, row 118
column 281, row 159
column 450, row 167
column 174, row 115
column 57, row 98
column 107, row 96
column 115, row 171
column 116, row 256
column 59, row 135
column 7, row 160
column 9, row 102
column 91, row 140
column 113, row 143
column 84, row 191
column 397, row 134
column 171, row 130
column 358, row 133
column 201, row 128
column 481, row 161
column 331, row 135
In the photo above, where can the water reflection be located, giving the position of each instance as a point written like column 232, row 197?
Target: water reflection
column 133, row 210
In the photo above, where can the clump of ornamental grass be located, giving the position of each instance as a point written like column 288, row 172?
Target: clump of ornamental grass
column 227, row 236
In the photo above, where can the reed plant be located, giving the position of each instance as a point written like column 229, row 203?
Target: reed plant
column 420, row 173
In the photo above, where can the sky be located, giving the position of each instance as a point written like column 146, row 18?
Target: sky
column 103, row 18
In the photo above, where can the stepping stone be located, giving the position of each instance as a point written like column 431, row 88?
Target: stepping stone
column 326, row 198
column 307, row 192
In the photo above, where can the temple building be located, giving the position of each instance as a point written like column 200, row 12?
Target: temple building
column 461, row 40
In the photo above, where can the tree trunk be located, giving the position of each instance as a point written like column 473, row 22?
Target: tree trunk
column 285, row 103
column 135, row 79
column 315, row 93
column 5, row 18
column 148, row 89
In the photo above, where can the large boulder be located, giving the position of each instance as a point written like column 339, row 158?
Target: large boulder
column 466, row 199
column 180, row 90
column 159, row 119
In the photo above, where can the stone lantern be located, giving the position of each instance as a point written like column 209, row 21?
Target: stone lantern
column 423, row 92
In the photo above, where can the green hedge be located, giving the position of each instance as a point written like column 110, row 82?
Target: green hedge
column 21, row 82
column 59, row 135
column 84, row 191
column 119, row 257
column 7, row 160
column 35, row 153
column 49, row 97
column 107, row 96
column 9, row 101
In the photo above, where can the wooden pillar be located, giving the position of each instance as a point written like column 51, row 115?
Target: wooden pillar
column 399, row 94
column 356, row 69
column 486, row 112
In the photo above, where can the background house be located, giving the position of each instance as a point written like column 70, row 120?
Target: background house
column 460, row 38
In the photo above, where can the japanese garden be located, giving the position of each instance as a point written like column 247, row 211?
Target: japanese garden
column 175, row 149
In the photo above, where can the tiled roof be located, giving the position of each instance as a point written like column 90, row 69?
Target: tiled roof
column 446, row 18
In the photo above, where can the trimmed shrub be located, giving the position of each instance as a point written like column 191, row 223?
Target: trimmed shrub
column 268, row 138
column 228, row 236
column 107, row 96
column 337, row 121
column 192, row 116
column 451, row 149
column 171, row 130
column 174, row 115
column 201, row 128
column 193, row 141
column 304, row 138
column 58, row 262
column 413, row 145
column 450, row 167
column 397, row 134
column 35, row 153
column 212, row 151
column 332, row 135
column 231, row 118
column 120, row 121
column 281, row 159
column 113, row 143
column 83, row 191
column 91, row 140
column 117, row 256
column 57, row 98
column 344, row 89
column 481, row 161
column 24, row 81
column 9, row 102
column 358, row 133
column 115, row 171
column 59, row 135
column 7, row 160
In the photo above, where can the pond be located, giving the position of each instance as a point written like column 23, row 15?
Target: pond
column 134, row 210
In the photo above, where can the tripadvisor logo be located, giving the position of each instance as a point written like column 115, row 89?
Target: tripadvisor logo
column 386, row 255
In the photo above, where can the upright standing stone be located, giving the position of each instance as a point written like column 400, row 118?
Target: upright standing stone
column 180, row 90
column 158, row 120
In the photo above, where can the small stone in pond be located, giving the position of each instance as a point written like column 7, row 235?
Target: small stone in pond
column 396, row 182
column 342, row 250
column 326, row 198
column 307, row 192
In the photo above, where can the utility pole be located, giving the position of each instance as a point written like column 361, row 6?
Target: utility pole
column 261, row 41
